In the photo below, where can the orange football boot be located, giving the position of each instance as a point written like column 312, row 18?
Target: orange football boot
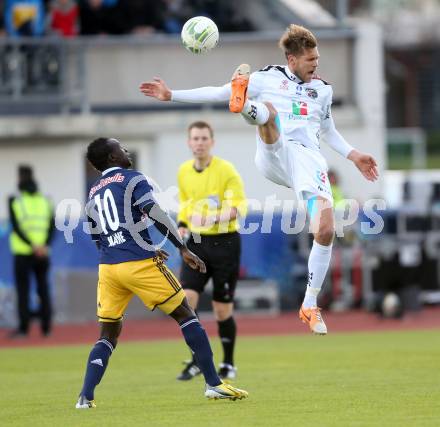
column 312, row 317
column 239, row 85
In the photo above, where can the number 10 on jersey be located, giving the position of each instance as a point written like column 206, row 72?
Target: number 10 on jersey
column 107, row 211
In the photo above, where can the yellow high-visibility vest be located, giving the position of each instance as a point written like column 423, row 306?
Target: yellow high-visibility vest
column 33, row 213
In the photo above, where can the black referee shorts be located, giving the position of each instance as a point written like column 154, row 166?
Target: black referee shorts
column 221, row 254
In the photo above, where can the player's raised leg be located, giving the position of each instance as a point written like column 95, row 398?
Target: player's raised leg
column 196, row 338
column 261, row 114
column 97, row 363
column 322, row 223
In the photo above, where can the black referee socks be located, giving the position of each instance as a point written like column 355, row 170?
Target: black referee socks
column 227, row 331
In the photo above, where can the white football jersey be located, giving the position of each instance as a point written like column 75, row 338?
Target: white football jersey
column 303, row 108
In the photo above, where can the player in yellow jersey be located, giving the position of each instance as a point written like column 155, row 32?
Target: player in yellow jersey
column 211, row 196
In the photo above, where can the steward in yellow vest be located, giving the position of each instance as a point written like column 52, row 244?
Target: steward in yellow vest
column 32, row 221
column 32, row 215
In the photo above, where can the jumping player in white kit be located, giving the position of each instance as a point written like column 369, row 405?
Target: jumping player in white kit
column 291, row 108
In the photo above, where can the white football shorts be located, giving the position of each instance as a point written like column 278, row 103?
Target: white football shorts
column 293, row 165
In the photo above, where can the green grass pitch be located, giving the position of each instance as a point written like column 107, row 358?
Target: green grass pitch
column 364, row 379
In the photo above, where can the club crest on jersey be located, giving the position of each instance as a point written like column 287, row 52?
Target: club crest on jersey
column 311, row 93
column 299, row 108
column 299, row 89
column 284, row 85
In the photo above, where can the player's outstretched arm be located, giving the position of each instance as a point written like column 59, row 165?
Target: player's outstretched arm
column 158, row 89
column 365, row 163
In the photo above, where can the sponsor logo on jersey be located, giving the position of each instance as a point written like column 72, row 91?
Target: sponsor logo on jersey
column 284, row 85
column 299, row 108
column 311, row 93
column 106, row 181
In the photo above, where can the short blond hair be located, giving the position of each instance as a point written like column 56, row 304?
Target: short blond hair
column 296, row 39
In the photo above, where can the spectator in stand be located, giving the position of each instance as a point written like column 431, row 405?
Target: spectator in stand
column 175, row 14
column 145, row 16
column 2, row 22
column 227, row 14
column 63, row 18
column 97, row 17
column 24, row 17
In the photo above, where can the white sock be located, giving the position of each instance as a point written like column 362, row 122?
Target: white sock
column 319, row 260
column 255, row 113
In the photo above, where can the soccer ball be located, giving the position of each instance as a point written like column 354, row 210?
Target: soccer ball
column 200, row 34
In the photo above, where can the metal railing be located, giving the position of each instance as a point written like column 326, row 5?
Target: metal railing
column 41, row 72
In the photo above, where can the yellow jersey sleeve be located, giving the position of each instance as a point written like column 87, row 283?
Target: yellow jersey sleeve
column 184, row 200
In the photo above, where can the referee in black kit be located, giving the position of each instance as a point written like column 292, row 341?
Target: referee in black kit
column 211, row 198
